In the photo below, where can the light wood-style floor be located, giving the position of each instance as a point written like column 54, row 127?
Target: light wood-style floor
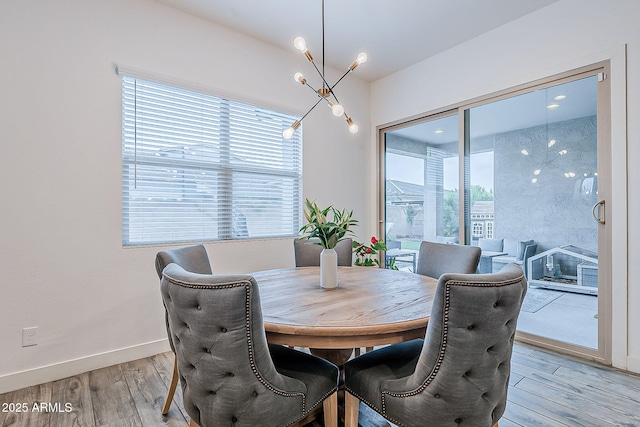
column 546, row 389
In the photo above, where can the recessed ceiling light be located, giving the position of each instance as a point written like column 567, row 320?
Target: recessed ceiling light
column 439, row 131
column 553, row 106
column 560, row 97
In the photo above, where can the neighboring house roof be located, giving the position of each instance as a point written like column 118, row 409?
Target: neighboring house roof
column 404, row 192
column 482, row 207
column 400, row 192
column 404, row 187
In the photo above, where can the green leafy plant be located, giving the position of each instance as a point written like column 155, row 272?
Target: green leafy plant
column 367, row 255
column 328, row 225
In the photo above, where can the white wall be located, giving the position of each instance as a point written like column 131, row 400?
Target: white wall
column 63, row 266
column 563, row 36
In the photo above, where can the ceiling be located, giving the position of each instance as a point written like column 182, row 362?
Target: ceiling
column 567, row 101
column 394, row 33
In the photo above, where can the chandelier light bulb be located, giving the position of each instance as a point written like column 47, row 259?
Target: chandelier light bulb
column 362, row 58
column 299, row 77
column 537, row 172
column 300, row 44
column 337, row 110
column 288, row 133
column 551, row 143
column 524, row 152
column 353, row 128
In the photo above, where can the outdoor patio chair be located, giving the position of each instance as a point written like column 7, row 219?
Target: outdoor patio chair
column 435, row 259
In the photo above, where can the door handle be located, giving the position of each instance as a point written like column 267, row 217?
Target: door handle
column 598, row 211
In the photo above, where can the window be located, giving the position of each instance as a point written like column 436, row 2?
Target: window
column 489, row 229
column 196, row 167
column 477, row 229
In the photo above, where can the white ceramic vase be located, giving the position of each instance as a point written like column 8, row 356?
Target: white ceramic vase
column 328, row 268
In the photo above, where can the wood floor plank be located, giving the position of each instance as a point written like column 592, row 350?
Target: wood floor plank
column 148, row 391
column 132, row 421
column 525, row 417
column 602, row 400
column 604, row 383
column 538, row 364
column 522, row 348
column 73, row 391
column 550, row 409
column 111, row 397
column 579, row 402
column 546, row 390
column 29, row 412
column 592, row 371
column 507, row 423
column 163, row 363
column 514, row 379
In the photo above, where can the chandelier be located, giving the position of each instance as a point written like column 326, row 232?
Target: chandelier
column 325, row 93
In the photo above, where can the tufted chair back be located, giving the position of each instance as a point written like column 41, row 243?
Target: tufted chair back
column 191, row 258
column 435, row 259
column 227, row 374
column 459, row 374
column 308, row 255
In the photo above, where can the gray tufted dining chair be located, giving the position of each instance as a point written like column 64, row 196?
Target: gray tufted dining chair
column 191, row 258
column 230, row 376
column 308, row 254
column 435, row 259
column 459, row 374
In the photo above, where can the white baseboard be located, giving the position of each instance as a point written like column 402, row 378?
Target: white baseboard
column 633, row 364
column 56, row 371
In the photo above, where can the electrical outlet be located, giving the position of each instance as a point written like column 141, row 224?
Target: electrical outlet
column 30, row 336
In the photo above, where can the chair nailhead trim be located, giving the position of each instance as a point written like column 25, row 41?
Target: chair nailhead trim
column 443, row 346
column 248, row 296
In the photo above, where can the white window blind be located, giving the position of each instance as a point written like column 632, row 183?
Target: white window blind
column 196, row 167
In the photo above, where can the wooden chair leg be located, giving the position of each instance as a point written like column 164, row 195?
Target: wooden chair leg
column 369, row 349
column 193, row 423
column 330, row 408
column 172, row 387
column 352, row 407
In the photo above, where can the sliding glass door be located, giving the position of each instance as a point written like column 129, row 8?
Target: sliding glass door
column 421, row 187
column 534, row 158
column 519, row 175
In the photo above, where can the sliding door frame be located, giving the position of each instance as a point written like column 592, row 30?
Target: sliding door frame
column 604, row 352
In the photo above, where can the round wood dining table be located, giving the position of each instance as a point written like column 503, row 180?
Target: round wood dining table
column 369, row 307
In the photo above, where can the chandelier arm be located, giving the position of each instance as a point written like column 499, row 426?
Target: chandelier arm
column 339, row 80
column 311, row 87
column 311, row 109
